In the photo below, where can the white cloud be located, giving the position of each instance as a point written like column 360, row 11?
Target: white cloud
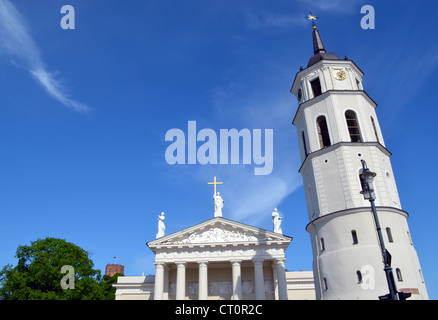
column 249, row 197
column 16, row 42
column 255, row 198
column 54, row 89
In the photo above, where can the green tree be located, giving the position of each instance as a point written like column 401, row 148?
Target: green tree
column 107, row 288
column 38, row 276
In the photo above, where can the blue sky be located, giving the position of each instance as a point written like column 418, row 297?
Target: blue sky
column 84, row 113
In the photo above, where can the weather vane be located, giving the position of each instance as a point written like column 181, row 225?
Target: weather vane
column 312, row 18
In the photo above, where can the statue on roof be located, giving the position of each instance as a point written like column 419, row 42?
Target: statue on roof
column 218, row 201
column 218, row 204
column 161, row 226
column 276, row 219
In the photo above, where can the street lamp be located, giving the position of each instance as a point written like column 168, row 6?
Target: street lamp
column 367, row 178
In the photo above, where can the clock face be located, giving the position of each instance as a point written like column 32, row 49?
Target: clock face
column 339, row 74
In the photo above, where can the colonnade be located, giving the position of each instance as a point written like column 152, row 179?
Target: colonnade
column 162, row 279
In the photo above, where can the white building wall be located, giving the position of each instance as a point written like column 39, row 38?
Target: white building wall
column 300, row 285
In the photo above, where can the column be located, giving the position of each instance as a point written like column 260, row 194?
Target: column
column 259, row 280
column 203, row 280
column 159, row 280
column 281, row 276
column 306, row 90
column 237, row 280
column 180, row 280
column 166, row 283
column 275, row 278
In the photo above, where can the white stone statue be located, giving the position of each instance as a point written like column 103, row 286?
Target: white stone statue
column 276, row 219
column 218, row 205
column 161, row 226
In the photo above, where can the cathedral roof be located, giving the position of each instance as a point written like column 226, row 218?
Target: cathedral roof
column 219, row 231
column 319, row 51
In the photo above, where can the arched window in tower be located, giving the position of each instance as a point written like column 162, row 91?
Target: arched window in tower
column 409, row 237
column 359, row 276
column 304, row 143
column 322, row 244
column 316, row 87
column 389, row 234
column 353, row 126
column 399, row 274
column 354, row 236
column 375, row 130
column 391, row 188
column 421, row 275
column 323, row 134
column 310, row 202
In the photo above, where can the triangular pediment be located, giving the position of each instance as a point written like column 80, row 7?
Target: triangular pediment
column 219, row 231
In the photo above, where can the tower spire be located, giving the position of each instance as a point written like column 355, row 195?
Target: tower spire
column 318, row 46
column 319, row 52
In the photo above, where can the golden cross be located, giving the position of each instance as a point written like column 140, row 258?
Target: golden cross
column 215, row 183
column 312, row 18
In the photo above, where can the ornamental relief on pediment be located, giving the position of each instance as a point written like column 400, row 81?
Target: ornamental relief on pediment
column 217, row 235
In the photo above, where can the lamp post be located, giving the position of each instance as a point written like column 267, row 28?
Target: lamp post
column 367, row 178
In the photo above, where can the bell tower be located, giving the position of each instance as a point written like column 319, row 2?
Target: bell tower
column 337, row 127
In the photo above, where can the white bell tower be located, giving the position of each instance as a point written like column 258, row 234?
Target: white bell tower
column 337, row 127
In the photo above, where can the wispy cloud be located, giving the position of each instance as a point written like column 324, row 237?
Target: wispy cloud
column 18, row 45
column 265, row 19
column 341, row 6
column 249, row 197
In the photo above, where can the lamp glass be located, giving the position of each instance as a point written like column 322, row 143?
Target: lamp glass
column 368, row 175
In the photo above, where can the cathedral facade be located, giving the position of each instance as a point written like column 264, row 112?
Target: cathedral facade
column 219, row 259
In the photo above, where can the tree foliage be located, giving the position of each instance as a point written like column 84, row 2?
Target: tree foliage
column 38, row 276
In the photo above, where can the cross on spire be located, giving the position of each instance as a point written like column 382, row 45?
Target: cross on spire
column 312, row 18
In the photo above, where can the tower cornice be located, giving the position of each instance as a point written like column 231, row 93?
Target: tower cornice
column 327, row 93
column 323, row 63
column 353, row 211
column 343, row 144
